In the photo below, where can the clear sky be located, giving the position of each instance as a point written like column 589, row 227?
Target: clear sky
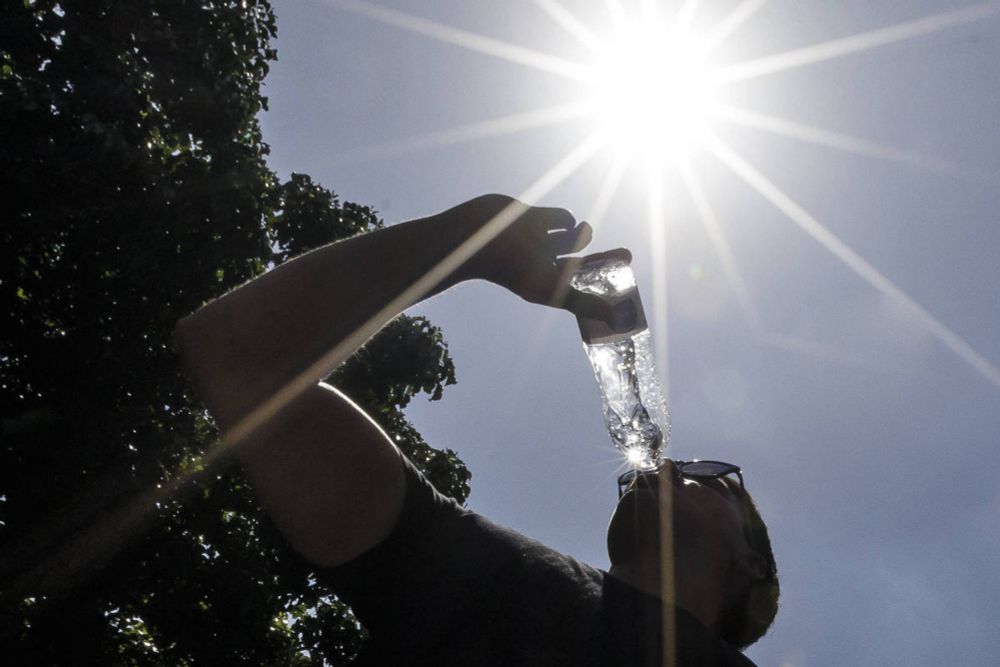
column 819, row 255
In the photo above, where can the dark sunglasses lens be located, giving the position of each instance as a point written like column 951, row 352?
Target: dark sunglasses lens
column 707, row 468
column 625, row 480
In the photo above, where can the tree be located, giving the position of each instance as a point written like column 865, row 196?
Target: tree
column 136, row 188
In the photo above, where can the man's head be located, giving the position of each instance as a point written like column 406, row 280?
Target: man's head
column 691, row 533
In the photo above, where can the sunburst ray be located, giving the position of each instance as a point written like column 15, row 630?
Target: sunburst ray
column 568, row 21
column 836, row 140
column 728, row 26
column 709, row 220
column 486, row 129
column 855, row 43
column 469, row 40
column 851, row 259
column 617, row 13
column 607, row 190
column 685, row 15
column 658, row 247
column 706, row 214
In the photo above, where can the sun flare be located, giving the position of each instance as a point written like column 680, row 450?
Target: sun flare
column 652, row 90
column 654, row 97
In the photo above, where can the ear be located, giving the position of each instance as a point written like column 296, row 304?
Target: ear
column 753, row 564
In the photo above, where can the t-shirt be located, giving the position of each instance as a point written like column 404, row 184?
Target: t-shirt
column 449, row 587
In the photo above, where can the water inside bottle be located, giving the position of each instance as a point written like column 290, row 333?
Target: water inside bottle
column 635, row 411
column 620, row 352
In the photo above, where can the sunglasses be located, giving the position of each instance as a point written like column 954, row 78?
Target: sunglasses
column 690, row 469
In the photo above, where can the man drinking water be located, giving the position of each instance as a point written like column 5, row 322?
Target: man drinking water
column 692, row 578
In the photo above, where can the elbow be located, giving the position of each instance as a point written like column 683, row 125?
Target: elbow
column 203, row 362
column 186, row 344
column 228, row 381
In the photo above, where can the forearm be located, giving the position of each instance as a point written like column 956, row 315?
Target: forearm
column 328, row 476
column 300, row 320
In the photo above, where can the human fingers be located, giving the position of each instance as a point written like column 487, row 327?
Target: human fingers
column 564, row 242
column 570, row 265
column 551, row 218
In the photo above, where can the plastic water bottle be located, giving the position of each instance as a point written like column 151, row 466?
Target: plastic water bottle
column 620, row 351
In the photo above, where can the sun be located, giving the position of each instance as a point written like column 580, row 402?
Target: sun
column 652, row 90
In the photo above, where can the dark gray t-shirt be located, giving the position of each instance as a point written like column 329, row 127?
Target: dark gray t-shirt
column 448, row 587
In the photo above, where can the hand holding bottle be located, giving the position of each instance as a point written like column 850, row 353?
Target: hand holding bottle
column 524, row 251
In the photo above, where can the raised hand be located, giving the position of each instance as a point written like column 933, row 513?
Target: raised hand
column 523, row 253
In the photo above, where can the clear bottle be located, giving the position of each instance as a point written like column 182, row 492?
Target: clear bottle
column 620, row 351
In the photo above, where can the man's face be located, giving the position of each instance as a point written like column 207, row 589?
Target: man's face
column 708, row 526
column 703, row 521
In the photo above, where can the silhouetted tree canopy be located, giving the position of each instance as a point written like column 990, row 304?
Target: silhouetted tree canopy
column 135, row 189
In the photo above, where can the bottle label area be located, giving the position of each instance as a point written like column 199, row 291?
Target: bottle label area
column 614, row 281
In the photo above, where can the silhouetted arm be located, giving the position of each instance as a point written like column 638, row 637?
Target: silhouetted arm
column 326, row 473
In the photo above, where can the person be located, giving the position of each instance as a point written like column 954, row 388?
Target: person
column 433, row 582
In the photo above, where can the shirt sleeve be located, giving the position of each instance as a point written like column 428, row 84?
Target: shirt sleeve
column 447, row 580
column 395, row 576
column 449, row 587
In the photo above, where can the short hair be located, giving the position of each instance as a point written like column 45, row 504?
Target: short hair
column 634, row 529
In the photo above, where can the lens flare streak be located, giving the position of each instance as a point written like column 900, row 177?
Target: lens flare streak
column 729, row 25
column 486, row 129
column 615, row 11
column 569, row 22
column 706, row 214
column 469, row 40
column 607, row 191
column 836, row 140
column 658, row 243
column 851, row 259
column 855, row 43
column 685, row 15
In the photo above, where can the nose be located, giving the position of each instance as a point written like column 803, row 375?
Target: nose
column 671, row 471
column 671, row 467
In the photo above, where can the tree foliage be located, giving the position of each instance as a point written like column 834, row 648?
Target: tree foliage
column 136, row 188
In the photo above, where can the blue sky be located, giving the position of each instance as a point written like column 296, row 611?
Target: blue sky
column 854, row 380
